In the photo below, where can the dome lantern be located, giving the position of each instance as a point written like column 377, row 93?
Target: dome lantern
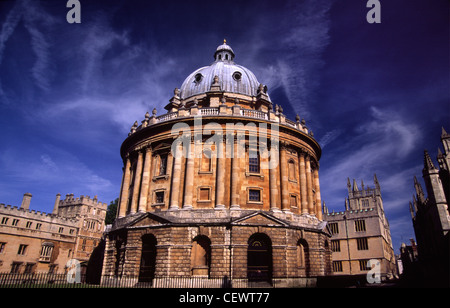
column 224, row 52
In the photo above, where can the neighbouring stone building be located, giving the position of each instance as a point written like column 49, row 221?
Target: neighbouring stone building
column 223, row 185
column 431, row 219
column 36, row 242
column 360, row 233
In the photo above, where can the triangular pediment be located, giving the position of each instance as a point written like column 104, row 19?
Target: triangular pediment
column 259, row 219
column 148, row 220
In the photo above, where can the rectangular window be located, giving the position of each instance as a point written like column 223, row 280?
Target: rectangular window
column 15, row 222
column 2, row 247
column 205, row 164
column 51, row 268
column 204, row 194
column 29, row 268
column 335, row 245
column 291, row 170
column 362, row 243
column 159, row 197
column 293, row 200
column 337, row 266
column 60, row 230
column 163, row 165
column 4, row 220
column 38, row 226
column 364, row 265
column 334, row 227
column 254, row 195
column 15, row 267
column 22, row 249
column 360, row 225
column 29, row 223
column 253, row 162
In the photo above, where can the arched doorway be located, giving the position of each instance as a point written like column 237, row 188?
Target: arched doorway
column 148, row 258
column 259, row 258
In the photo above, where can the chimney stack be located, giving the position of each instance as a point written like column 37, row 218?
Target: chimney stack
column 26, row 201
column 55, row 207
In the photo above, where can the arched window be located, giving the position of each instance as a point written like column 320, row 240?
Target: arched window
column 201, row 256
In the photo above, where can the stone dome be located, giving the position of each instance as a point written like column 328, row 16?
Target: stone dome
column 231, row 77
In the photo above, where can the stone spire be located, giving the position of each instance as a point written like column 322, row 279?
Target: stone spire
column 427, row 162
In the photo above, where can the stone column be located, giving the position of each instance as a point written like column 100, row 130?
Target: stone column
column 284, row 179
column 125, row 189
column 137, row 183
column 220, row 176
column 318, row 198
column 145, row 180
column 273, row 178
column 176, row 178
column 190, row 176
column 302, row 176
column 309, row 186
column 235, row 172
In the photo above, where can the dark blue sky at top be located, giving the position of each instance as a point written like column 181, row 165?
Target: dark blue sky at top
column 375, row 95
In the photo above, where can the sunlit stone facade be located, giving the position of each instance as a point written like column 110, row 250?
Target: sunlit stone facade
column 223, row 185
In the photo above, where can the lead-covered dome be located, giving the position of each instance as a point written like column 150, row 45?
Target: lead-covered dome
column 231, row 77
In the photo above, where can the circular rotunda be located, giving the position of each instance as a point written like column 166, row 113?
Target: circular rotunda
column 221, row 187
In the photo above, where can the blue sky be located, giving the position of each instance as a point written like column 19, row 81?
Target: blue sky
column 375, row 95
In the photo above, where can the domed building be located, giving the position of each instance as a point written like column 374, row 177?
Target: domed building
column 221, row 187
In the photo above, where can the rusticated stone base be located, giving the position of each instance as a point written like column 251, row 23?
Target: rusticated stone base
column 297, row 245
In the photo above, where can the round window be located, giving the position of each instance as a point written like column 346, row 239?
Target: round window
column 237, row 76
column 198, row 77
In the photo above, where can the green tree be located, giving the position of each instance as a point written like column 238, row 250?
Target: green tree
column 111, row 212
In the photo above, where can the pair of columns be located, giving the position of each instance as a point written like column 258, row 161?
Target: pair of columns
column 190, row 177
column 309, row 179
column 141, row 184
column 309, row 203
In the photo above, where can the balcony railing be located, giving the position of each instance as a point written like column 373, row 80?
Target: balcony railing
column 235, row 111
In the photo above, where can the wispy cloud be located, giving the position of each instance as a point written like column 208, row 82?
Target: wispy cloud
column 306, row 39
column 53, row 168
column 381, row 144
column 39, row 24
column 330, row 137
column 290, row 61
column 8, row 27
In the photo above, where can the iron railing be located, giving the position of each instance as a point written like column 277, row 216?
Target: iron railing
column 46, row 280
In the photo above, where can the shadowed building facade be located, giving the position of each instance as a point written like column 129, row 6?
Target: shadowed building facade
column 431, row 218
column 223, row 185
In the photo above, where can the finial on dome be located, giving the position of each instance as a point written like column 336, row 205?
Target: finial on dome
column 225, row 41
